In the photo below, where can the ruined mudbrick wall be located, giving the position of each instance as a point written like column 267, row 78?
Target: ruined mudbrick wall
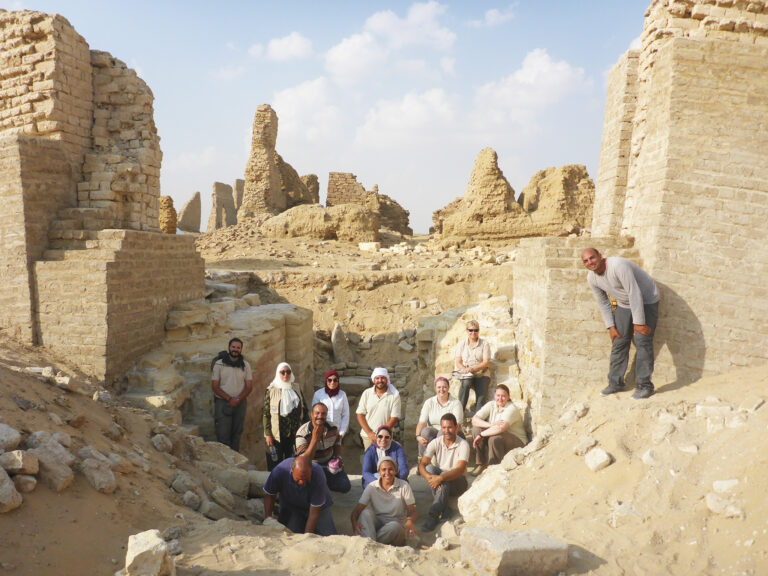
column 79, row 154
column 343, row 188
column 683, row 183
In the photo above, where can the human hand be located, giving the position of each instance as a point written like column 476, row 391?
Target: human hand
column 477, row 441
column 434, row 481
column 613, row 333
column 318, row 431
column 410, row 529
column 642, row 329
column 372, row 436
column 356, row 527
column 270, row 440
column 422, row 441
column 233, row 401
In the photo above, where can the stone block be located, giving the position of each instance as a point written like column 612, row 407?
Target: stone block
column 10, row 438
column 235, row 480
column 99, row 475
column 10, row 499
column 19, row 462
column 216, row 452
column 212, row 510
column 24, row 483
column 56, row 474
column 597, row 459
column 526, row 553
column 148, row 555
column 223, row 497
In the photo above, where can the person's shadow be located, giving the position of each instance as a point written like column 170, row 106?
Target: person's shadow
column 679, row 330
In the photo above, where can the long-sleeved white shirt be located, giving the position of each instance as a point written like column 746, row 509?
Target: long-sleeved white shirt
column 630, row 285
column 338, row 408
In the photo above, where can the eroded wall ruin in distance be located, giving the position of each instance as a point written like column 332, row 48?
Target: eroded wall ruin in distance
column 343, row 188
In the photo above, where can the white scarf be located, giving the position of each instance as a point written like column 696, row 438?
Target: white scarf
column 289, row 399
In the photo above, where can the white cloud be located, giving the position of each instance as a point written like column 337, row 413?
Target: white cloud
column 412, row 66
column 230, row 72
column 414, row 120
column 354, row 58
column 494, row 17
column 305, row 112
column 521, row 97
column 191, row 160
column 256, row 50
column 231, row 46
column 295, row 46
column 448, row 64
column 12, row 6
column 384, row 34
column 419, row 27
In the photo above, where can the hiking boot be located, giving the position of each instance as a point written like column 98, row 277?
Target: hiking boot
column 642, row 392
column 430, row 524
column 611, row 390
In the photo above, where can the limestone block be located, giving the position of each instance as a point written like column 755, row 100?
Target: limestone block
column 597, row 459
column 189, row 215
column 19, row 462
column 369, row 246
column 24, row 483
column 9, row 438
column 56, row 474
column 43, row 439
column 181, row 318
column 585, row 443
column 223, row 497
column 162, row 443
column 341, row 349
column 167, row 216
column 148, row 555
column 526, row 553
column 184, row 482
column 216, row 453
column 10, row 499
column 252, row 299
column 99, row 475
column 235, row 480
column 255, row 509
column 257, row 479
column 90, row 452
column 211, row 510
column 191, row 500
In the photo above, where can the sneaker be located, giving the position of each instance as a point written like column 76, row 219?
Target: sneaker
column 643, row 392
column 430, row 524
column 611, row 390
column 477, row 470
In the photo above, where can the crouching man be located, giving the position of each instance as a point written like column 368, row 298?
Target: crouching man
column 447, row 478
column 305, row 501
column 387, row 509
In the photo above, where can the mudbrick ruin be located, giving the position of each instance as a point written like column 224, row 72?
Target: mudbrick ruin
column 110, row 320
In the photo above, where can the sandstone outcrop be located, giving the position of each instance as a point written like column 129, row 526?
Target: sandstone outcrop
column 167, row 215
column 343, row 188
column 223, row 212
column 347, row 222
column 557, row 202
column 189, row 215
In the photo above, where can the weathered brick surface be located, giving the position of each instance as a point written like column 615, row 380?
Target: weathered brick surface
column 223, row 211
column 343, row 188
column 696, row 195
column 167, row 215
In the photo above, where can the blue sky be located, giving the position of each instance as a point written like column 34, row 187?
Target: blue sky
column 403, row 94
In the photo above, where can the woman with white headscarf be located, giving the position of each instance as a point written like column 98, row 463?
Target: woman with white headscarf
column 284, row 412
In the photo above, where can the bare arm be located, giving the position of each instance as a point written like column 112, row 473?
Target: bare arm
column 365, row 428
column 269, row 505
column 314, row 516
column 410, row 521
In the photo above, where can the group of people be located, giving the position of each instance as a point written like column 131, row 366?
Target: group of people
column 305, row 448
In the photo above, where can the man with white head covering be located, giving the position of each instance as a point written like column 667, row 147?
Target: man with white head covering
column 379, row 406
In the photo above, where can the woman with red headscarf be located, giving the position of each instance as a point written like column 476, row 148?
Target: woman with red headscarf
column 335, row 399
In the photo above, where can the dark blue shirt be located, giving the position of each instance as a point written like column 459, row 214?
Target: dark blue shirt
column 371, row 462
column 313, row 493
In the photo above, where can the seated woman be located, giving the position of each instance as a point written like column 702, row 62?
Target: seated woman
column 428, row 427
column 497, row 428
column 284, row 412
column 384, row 446
column 386, row 511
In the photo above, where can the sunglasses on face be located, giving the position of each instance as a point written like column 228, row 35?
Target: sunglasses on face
column 383, row 437
column 285, row 371
column 473, row 329
column 332, row 380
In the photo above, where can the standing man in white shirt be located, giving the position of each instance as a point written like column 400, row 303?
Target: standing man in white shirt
column 232, row 382
column 378, row 406
column 635, row 316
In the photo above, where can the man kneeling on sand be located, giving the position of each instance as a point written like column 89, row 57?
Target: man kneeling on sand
column 386, row 511
column 447, row 478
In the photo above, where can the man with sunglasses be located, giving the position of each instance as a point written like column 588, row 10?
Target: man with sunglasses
column 471, row 361
column 320, row 442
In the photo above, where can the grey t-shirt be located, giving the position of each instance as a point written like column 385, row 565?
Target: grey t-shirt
column 630, row 285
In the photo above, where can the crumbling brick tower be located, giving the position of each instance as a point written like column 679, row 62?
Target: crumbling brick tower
column 682, row 189
column 87, row 271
